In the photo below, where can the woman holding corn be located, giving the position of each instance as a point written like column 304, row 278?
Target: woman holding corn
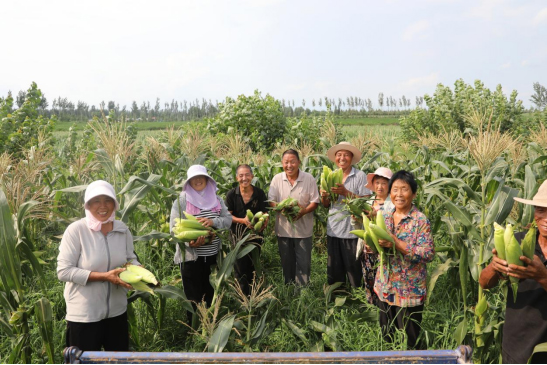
column 525, row 319
column 246, row 197
column 199, row 198
column 92, row 250
column 378, row 182
column 401, row 290
column 294, row 239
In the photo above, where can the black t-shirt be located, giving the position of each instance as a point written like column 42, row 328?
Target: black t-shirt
column 526, row 319
column 235, row 204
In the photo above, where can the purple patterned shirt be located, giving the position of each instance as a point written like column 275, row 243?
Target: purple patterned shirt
column 404, row 283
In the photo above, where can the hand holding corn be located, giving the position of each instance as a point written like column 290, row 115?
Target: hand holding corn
column 114, row 277
column 534, row 269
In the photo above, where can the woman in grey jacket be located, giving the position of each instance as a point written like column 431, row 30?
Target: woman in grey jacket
column 91, row 252
column 199, row 198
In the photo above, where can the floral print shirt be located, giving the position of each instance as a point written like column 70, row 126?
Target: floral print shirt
column 404, row 281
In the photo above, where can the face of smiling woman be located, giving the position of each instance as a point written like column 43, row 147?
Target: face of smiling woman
column 198, row 183
column 101, row 207
column 402, row 196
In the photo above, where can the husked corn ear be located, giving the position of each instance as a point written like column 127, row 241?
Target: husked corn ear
column 146, row 275
column 499, row 241
column 513, row 253
column 528, row 243
column 129, row 277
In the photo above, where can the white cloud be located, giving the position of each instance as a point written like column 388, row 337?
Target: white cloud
column 505, row 65
column 540, row 17
column 416, row 30
column 486, row 9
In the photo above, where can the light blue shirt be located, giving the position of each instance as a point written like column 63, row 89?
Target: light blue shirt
column 339, row 221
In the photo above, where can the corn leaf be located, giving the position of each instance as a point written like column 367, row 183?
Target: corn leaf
column 220, row 336
column 173, row 292
column 10, row 263
column 44, row 317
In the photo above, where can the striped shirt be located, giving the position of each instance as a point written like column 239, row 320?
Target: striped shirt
column 212, row 247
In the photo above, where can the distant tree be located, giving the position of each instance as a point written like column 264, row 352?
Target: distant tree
column 540, row 96
column 381, row 100
column 303, row 103
column 320, row 102
column 111, row 105
column 20, row 99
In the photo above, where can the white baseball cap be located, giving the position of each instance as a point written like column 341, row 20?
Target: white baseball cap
column 100, row 187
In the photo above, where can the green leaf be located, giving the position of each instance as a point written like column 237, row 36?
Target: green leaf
column 151, row 236
column 220, row 336
column 457, row 184
column 44, row 317
column 542, row 347
column 173, row 292
column 245, row 250
column 460, row 214
column 461, row 331
column 9, row 259
column 439, row 270
column 296, row 330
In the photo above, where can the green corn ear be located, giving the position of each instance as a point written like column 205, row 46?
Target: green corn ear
column 146, row 275
column 499, row 241
column 380, row 222
column 528, row 243
column 129, row 277
column 380, row 233
column 482, row 306
column 257, row 216
column 259, row 224
column 189, row 223
column 250, row 215
column 188, row 236
column 507, row 236
column 190, row 216
column 513, row 253
column 324, row 185
column 141, row 286
column 370, row 243
column 359, row 233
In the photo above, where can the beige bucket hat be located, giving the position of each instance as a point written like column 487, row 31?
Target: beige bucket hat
column 331, row 153
column 539, row 200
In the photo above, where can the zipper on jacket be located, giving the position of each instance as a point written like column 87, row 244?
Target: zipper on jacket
column 108, row 283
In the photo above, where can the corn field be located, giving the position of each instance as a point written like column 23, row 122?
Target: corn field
column 466, row 183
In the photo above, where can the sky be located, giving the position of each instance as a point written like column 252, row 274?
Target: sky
column 136, row 50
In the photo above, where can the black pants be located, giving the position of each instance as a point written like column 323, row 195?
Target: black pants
column 111, row 333
column 341, row 261
column 403, row 318
column 244, row 269
column 195, row 280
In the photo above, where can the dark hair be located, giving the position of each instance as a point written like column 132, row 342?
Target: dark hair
column 407, row 177
column 290, row 151
column 243, row 165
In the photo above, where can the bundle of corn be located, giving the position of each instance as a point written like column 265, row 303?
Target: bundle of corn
column 357, row 206
column 190, row 229
column 508, row 248
column 289, row 208
column 371, row 238
column 257, row 220
column 138, row 277
column 329, row 179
